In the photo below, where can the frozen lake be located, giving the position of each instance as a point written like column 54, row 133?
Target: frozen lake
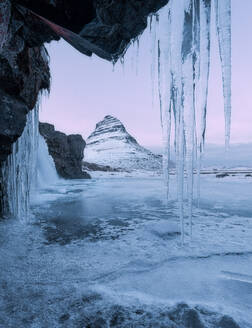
column 106, row 252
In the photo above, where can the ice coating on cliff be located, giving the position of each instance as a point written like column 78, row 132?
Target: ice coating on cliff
column 28, row 169
column 20, row 169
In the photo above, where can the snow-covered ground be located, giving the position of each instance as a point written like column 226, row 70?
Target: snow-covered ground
column 107, row 253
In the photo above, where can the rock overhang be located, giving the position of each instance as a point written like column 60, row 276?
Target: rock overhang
column 103, row 27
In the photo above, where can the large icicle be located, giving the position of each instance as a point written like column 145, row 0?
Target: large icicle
column 164, row 83
column 154, row 20
column 171, row 91
column 223, row 23
column 203, row 75
column 183, row 71
column 201, row 83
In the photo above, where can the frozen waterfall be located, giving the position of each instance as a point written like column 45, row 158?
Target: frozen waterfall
column 183, row 47
column 46, row 171
column 20, row 168
column 28, row 169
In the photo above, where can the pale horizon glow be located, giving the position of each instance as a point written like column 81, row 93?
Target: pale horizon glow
column 84, row 89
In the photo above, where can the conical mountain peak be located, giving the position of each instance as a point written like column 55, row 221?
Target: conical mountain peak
column 111, row 144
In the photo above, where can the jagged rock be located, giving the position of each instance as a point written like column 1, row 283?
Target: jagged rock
column 222, row 175
column 24, row 74
column 66, row 151
column 10, row 130
column 111, row 144
column 95, row 167
column 227, row 322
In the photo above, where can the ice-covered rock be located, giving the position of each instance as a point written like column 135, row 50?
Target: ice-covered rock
column 111, row 144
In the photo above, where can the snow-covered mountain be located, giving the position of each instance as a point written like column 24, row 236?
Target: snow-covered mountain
column 111, row 144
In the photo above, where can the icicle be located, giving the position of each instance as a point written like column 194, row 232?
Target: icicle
column 189, row 73
column 137, row 54
column 223, row 23
column 159, row 84
column 177, row 13
column 113, row 66
column 150, row 22
column 204, row 57
column 180, row 175
column 122, row 61
column 164, row 86
column 201, row 83
column 153, row 34
column 170, row 90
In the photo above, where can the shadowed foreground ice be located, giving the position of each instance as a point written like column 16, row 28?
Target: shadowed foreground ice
column 106, row 253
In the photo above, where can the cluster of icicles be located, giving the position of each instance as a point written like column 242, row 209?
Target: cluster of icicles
column 181, row 41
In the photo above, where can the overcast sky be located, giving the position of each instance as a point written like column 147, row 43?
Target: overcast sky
column 84, row 89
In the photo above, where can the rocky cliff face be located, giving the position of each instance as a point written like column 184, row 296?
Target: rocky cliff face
column 111, row 144
column 24, row 74
column 66, row 151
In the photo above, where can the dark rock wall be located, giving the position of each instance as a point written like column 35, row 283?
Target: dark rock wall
column 24, row 74
column 71, row 14
column 66, row 151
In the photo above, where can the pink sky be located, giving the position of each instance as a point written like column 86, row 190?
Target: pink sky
column 84, row 90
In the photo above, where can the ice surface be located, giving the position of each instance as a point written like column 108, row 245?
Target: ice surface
column 110, row 248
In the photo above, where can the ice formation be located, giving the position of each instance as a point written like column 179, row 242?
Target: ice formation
column 46, row 171
column 20, row 169
column 27, row 169
column 183, row 47
column 223, row 23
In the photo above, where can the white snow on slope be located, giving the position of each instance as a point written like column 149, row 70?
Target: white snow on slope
column 111, row 144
